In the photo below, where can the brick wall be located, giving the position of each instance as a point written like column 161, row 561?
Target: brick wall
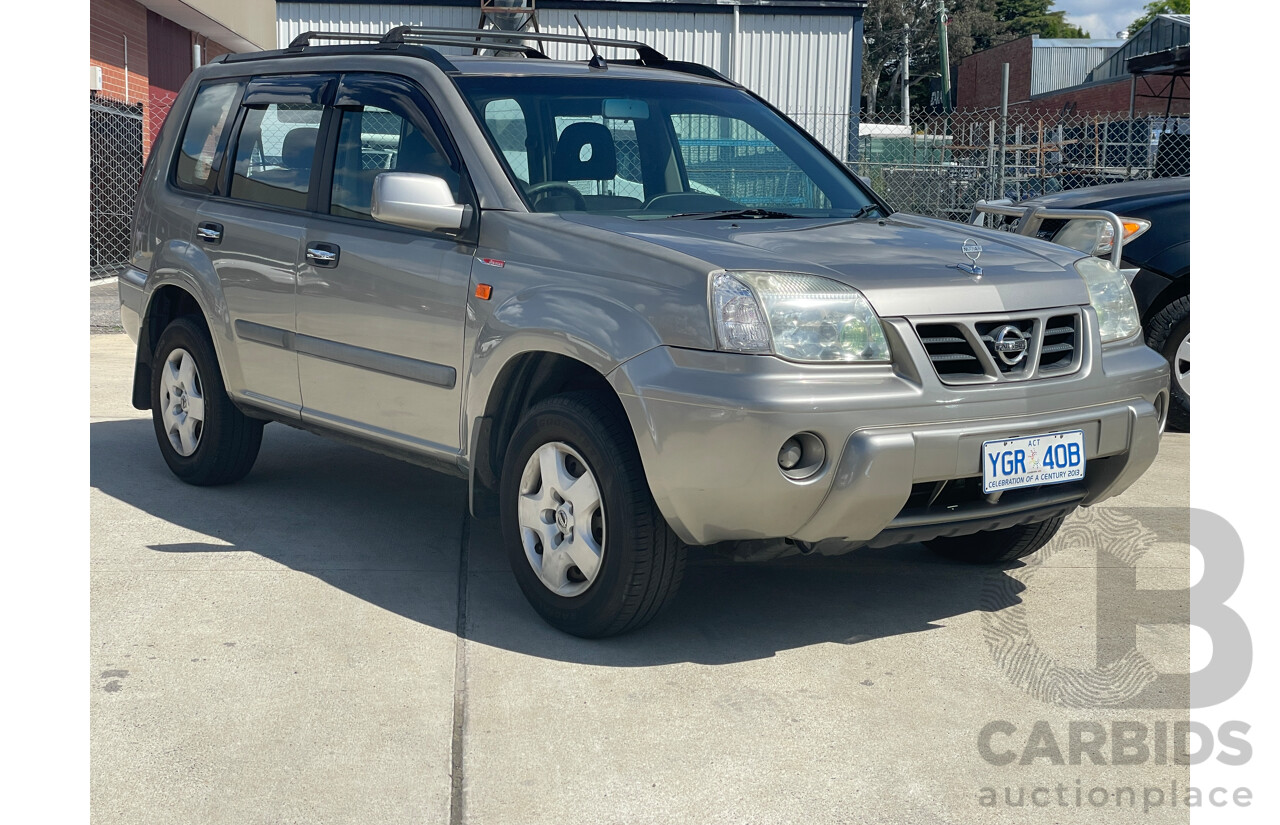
column 978, row 87
column 110, row 23
column 212, row 49
column 1113, row 97
column 978, row 76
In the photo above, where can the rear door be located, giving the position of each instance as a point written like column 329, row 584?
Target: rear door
column 252, row 229
column 381, row 308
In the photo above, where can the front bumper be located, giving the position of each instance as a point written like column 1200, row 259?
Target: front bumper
column 709, row 426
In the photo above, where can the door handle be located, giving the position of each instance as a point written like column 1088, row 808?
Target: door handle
column 209, row 232
column 323, row 254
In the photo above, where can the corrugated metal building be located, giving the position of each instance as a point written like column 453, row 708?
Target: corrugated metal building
column 1059, row 63
column 804, row 56
column 1165, row 32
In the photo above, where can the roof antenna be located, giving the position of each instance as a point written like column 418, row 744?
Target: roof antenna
column 596, row 61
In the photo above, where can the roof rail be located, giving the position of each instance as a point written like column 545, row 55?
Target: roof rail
column 463, row 39
column 303, row 40
column 648, row 55
column 497, row 39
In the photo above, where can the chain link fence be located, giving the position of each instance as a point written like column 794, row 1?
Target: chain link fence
column 120, row 136
column 115, row 167
column 938, row 165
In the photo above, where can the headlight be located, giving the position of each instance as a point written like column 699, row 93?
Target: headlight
column 1095, row 237
column 798, row 317
column 1111, row 297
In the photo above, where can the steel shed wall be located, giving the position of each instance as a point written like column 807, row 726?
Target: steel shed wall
column 799, row 62
column 1056, row 67
column 702, row 38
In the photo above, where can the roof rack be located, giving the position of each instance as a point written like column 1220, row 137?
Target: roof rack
column 303, row 40
column 491, row 38
column 445, row 37
column 648, row 55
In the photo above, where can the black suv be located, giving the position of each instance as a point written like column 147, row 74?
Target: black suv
column 1157, row 219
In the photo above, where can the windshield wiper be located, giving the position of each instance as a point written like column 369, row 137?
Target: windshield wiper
column 725, row 214
column 866, row 210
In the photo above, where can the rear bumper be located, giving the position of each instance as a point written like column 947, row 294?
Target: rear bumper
column 132, row 300
column 709, row 427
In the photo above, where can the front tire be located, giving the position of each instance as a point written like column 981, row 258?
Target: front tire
column 203, row 437
column 997, row 546
column 585, row 540
column 1169, row 333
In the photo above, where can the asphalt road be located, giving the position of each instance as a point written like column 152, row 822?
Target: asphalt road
column 333, row 640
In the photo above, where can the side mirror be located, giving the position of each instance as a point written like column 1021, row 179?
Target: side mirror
column 418, row 202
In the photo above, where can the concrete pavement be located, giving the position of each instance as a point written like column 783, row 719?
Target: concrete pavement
column 287, row 649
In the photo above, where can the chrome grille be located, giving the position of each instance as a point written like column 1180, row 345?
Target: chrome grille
column 983, row 349
column 949, row 349
column 1058, row 344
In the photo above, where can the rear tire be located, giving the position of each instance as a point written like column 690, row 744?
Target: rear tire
column 1169, row 333
column 203, row 437
column 584, row 538
column 996, row 546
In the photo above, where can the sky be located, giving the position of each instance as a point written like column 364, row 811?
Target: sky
column 1101, row 18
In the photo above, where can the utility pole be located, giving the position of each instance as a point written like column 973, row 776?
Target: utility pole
column 906, row 76
column 944, row 57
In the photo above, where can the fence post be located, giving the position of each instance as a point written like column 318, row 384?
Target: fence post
column 992, row 175
column 1040, row 164
column 1018, row 160
column 1106, row 144
column 1004, row 123
column 1096, row 164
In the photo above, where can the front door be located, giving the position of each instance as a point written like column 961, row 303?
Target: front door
column 381, row 309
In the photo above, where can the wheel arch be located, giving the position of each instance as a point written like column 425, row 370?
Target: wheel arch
column 1179, row 287
column 540, row 342
column 168, row 301
column 524, row 380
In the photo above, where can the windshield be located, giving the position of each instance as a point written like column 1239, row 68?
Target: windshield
column 649, row 149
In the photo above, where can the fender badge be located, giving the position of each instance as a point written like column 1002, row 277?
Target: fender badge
column 972, row 250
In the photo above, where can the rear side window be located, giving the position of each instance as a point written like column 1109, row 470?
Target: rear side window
column 199, row 155
column 275, row 154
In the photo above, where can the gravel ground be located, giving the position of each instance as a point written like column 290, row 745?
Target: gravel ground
column 104, row 307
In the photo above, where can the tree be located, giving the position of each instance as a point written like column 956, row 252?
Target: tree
column 1026, row 17
column 972, row 27
column 1162, row 7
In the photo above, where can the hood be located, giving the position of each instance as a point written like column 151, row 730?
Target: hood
column 904, row 264
column 1129, row 195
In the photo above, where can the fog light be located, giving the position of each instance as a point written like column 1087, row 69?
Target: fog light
column 802, row 456
column 790, row 454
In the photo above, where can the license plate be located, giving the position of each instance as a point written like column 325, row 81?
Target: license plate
column 1027, row 462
